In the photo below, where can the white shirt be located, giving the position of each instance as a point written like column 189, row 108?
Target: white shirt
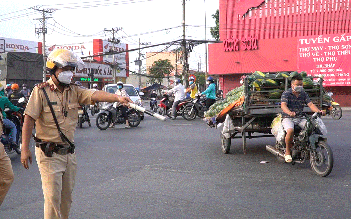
column 179, row 93
column 122, row 93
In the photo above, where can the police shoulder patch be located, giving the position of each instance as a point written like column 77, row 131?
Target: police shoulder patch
column 42, row 85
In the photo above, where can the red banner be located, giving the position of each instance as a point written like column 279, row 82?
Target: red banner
column 328, row 56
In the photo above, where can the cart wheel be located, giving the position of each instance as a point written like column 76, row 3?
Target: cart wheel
column 226, row 142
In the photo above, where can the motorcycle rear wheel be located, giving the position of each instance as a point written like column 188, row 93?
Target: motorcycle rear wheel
column 322, row 162
column 226, row 143
column 336, row 112
column 134, row 119
column 189, row 112
column 80, row 122
column 103, row 121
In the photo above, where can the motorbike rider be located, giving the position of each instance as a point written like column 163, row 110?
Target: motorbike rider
column 121, row 92
column 15, row 95
column 8, row 90
column 192, row 87
column 179, row 95
column 5, row 103
column 25, row 91
column 292, row 104
column 153, row 95
column 95, row 86
column 210, row 92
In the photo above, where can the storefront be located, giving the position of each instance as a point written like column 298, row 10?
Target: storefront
column 280, row 36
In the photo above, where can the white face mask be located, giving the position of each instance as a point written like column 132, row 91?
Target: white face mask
column 207, row 82
column 65, row 77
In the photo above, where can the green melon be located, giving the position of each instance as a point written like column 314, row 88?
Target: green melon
column 307, row 83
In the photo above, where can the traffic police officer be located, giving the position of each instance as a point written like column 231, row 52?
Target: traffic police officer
column 55, row 155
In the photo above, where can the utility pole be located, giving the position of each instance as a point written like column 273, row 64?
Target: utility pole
column 114, row 41
column 206, row 73
column 139, row 62
column 185, row 55
column 43, row 30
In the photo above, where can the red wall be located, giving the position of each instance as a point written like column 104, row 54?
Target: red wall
column 97, row 49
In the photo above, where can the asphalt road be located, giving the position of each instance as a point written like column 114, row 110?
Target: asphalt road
column 175, row 169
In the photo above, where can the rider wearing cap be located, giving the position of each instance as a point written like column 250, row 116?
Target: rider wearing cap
column 210, row 92
column 15, row 95
column 179, row 95
column 55, row 154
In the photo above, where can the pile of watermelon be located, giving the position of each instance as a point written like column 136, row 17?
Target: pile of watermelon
column 270, row 85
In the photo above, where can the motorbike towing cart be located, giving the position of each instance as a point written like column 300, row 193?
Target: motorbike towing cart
column 256, row 114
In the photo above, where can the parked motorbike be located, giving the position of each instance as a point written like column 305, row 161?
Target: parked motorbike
column 153, row 104
column 111, row 114
column 164, row 105
column 332, row 108
column 310, row 143
column 196, row 107
column 83, row 116
column 17, row 119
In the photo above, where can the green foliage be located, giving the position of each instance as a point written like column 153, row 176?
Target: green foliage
column 215, row 30
column 159, row 70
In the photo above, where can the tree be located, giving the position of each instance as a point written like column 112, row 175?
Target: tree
column 159, row 70
column 215, row 30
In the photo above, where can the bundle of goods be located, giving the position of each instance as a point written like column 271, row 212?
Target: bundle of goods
column 263, row 88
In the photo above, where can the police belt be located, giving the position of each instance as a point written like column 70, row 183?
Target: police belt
column 50, row 147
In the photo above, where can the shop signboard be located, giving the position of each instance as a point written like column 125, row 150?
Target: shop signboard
column 328, row 56
column 16, row 45
column 81, row 49
column 98, row 70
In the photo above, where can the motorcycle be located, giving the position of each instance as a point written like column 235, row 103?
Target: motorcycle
column 153, row 104
column 83, row 116
column 196, row 107
column 309, row 143
column 332, row 108
column 94, row 109
column 111, row 114
column 17, row 119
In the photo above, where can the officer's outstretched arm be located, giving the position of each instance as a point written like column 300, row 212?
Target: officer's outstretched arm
column 102, row 96
column 27, row 128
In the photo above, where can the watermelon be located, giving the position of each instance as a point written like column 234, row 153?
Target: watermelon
column 270, row 83
column 275, row 94
column 258, row 74
column 307, row 83
column 282, row 74
column 303, row 74
column 294, row 73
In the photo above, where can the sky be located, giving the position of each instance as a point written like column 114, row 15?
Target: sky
column 74, row 21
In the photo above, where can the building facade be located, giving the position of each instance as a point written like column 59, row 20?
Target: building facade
column 284, row 35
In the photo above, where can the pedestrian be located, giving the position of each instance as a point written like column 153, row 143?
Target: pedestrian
column 210, row 92
column 179, row 95
column 6, row 173
column 53, row 107
column 15, row 95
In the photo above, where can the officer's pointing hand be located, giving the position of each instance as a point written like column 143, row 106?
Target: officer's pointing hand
column 124, row 100
column 26, row 156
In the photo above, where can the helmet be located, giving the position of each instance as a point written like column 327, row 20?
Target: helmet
column 120, row 83
column 14, row 86
column 95, row 85
column 191, row 78
column 62, row 58
column 1, row 87
column 210, row 79
column 78, row 83
column 24, row 85
column 178, row 81
column 8, row 86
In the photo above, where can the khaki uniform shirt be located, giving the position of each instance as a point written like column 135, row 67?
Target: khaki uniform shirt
column 65, row 105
